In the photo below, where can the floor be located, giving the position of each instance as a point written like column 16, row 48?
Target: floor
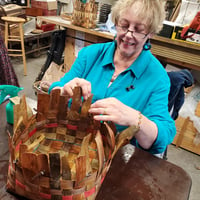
column 185, row 159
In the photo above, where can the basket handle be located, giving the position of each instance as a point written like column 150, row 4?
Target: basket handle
column 123, row 137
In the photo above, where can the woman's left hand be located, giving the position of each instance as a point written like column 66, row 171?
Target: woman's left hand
column 111, row 109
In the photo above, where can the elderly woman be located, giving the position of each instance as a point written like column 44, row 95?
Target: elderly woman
column 129, row 84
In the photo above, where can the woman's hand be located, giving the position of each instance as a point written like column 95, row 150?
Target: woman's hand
column 111, row 109
column 84, row 84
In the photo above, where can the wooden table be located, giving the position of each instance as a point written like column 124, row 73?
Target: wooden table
column 134, row 174
column 138, row 175
column 183, row 54
column 37, row 42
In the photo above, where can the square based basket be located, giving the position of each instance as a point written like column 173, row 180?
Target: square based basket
column 61, row 152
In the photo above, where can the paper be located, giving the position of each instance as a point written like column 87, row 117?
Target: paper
column 79, row 43
column 187, row 12
column 195, row 37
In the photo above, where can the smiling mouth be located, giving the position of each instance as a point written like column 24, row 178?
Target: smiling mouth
column 128, row 43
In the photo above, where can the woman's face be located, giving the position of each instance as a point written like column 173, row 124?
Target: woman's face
column 132, row 33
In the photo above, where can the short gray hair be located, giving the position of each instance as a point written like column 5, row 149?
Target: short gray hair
column 153, row 11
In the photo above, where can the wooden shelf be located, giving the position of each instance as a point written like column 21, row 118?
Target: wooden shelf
column 183, row 54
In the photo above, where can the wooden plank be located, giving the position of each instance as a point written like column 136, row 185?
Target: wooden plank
column 197, row 110
column 177, row 56
column 186, row 134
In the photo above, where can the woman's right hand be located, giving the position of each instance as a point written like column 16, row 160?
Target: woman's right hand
column 84, row 84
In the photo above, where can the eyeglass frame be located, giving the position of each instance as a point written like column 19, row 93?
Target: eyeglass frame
column 132, row 32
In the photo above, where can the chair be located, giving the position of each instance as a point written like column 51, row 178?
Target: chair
column 179, row 80
column 15, row 38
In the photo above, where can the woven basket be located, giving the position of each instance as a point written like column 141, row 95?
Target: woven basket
column 85, row 14
column 60, row 153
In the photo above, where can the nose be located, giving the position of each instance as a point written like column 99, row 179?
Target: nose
column 131, row 33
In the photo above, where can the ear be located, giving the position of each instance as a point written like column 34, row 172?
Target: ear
column 150, row 35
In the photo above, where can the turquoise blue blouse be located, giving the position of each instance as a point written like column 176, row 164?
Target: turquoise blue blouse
column 148, row 77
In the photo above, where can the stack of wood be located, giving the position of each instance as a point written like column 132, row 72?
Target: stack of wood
column 85, row 14
column 61, row 152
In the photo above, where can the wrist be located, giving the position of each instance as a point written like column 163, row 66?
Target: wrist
column 139, row 120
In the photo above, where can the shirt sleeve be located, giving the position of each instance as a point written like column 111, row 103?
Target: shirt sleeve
column 157, row 111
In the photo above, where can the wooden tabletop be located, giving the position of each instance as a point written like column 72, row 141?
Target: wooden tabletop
column 138, row 175
column 134, row 174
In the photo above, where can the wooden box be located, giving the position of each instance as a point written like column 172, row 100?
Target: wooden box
column 187, row 135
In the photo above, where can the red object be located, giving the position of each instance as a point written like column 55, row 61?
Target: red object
column 195, row 25
column 49, row 12
column 47, row 27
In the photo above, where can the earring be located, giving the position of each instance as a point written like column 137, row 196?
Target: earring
column 147, row 45
column 115, row 37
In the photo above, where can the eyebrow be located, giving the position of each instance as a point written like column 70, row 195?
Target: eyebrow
column 138, row 24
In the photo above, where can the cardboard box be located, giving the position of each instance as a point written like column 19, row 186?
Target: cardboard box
column 30, row 25
column 44, row 4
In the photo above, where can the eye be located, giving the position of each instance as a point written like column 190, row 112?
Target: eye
column 139, row 29
column 124, row 26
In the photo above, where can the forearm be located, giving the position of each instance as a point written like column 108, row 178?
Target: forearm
column 147, row 133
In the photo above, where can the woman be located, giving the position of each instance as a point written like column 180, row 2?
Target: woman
column 129, row 84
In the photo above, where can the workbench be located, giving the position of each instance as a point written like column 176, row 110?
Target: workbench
column 176, row 52
column 34, row 43
column 134, row 174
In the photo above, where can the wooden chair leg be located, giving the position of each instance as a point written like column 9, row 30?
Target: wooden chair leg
column 22, row 47
column 6, row 34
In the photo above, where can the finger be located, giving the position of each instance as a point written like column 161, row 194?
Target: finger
column 85, row 86
column 104, row 111
column 98, row 111
column 104, row 118
column 86, row 90
column 57, row 87
column 68, row 90
column 100, row 104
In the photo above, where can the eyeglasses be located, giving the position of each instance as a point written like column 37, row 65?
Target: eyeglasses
column 125, row 30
